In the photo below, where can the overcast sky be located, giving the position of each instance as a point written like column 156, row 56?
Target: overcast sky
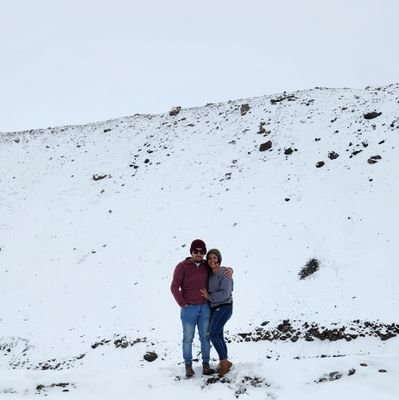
column 78, row 61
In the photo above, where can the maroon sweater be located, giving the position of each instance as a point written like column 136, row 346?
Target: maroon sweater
column 188, row 280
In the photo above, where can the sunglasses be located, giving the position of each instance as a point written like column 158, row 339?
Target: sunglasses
column 197, row 251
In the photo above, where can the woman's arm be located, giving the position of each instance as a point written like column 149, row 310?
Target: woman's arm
column 223, row 292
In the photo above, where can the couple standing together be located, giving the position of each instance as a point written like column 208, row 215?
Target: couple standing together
column 203, row 290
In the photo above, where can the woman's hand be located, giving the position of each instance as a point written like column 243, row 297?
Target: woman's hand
column 204, row 293
column 228, row 273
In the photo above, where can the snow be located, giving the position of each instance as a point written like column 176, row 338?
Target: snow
column 85, row 263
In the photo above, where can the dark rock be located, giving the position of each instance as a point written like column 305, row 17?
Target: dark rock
column 310, row 268
column 98, row 177
column 382, row 370
column 150, row 356
column 121, row 343
column 174, row 111
column 262, row 129
column 265, row 146
column 332, row 155
column 320, row 164
column 356, row 152
column 374, row 159
column 244, row 109
column 284, row 327
column 387, row 336
column 279, row 99
column 288, row 151
column 107, row 130
column 372, row 115
column 335, row 375
column 351, row 372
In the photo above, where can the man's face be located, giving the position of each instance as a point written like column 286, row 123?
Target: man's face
column 197, row 254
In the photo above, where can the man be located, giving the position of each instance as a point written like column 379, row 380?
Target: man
column 190, row 276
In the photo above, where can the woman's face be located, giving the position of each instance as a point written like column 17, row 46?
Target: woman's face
column 213, row 261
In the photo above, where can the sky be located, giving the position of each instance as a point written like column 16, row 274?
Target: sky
column 73, row 62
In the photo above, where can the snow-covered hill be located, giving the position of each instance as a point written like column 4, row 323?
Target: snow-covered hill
column 94, row 218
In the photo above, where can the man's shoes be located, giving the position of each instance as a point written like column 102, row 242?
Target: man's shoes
column 224, row 367
column 189, row 371
column 206, row 369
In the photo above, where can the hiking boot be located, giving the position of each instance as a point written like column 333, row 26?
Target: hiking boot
column 207, row 370
column 224, row 367
column 189, row 371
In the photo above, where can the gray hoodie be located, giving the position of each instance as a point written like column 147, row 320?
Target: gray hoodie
column 219, row 288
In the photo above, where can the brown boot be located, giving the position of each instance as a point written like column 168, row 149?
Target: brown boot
column 224, row 367
column 207, row 370
column 189, row 371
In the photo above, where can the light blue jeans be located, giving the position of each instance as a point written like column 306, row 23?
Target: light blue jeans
column 195, row 315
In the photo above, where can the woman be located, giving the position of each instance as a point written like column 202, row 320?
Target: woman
column 219, row 295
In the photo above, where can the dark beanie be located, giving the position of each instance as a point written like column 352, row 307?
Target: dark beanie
column 217, row 253
column 198, row 244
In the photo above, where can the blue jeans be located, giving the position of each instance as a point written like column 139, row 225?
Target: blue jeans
column 191, row 316
column 219, row 317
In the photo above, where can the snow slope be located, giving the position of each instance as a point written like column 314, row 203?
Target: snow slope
column 94, row 218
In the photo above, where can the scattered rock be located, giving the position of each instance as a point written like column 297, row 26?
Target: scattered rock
column 351, row 372
column 285, row 326
column 372, row 115
column 64, row 386
column 332, row 376
column 279, row 99
column 355, row 153
column 150, row 356
column 332, row 155
column 374, row 159
column 123, row 342
column 310, row 268
column 101, row 343
column 244, row 108
column 265, row 146
column 98, row 177
column 174, row 111
column 288, row 151
column 320, row 164
column 107, row 130
column 387, row 336
column 262, row 129
column 311, row 331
